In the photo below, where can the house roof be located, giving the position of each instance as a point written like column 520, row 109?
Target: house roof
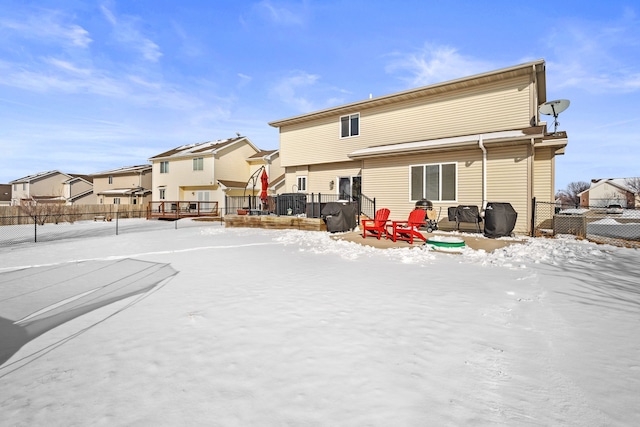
column 80, row 195
column 537, row 66
column 125, row 170
column 277, row 181
column 620, row 183
column 124, row 192
column 86, row 178
column 209, row 147
column 37, row 176
column 233, row 184
column 262, row 154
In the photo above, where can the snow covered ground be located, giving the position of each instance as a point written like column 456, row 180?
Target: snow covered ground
column 203, row 325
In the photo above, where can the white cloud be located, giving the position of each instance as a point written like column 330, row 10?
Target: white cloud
column 127, row 33
column 280, row 15
column 433, row 64
column 597, row 57
column 47, row 26
column 68, row 66
column 289, row 88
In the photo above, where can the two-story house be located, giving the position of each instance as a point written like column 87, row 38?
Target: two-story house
column 78, row 190
column 129, row 185
column 42, row 187
column 205, row 172
column 468, row 141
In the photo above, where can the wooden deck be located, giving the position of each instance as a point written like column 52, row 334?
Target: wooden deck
column 173, row 210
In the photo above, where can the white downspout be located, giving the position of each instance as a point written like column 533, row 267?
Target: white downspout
column 484, row 171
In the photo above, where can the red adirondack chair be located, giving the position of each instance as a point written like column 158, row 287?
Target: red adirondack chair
column 409, row 229
column 376, row 227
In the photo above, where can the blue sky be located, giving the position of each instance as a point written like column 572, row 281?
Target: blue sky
column 87, row 86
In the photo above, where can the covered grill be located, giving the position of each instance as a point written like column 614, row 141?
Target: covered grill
column 424, row 204
column 432, row 221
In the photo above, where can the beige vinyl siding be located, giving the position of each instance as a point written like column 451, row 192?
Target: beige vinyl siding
column 49, row 186
column 231, row 163
column 320, row 176
column 507, row 173
column 388, row 180
column 498, row 106
column 79, row 186
column 291, row 175
column 607, row 194
column 543, row 170
column 182, row 173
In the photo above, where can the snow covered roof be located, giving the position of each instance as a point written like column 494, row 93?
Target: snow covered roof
column 620, row 183
column 209, row 147
column 36, row 176
column 124, row 191
column 125, row 170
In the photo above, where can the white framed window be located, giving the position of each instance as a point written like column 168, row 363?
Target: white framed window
column 162, row 193
column 164, row 167
column 350, row 125
column 110, row 179
column 198, row 164
column 437, row 182
column 301, row 183
column 116, row 200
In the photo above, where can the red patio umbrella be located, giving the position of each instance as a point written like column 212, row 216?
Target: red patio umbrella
column 265, row 184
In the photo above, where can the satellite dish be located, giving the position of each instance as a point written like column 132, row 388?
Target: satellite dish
column 553, row 108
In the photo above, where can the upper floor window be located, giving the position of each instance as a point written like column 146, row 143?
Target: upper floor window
column 110, row 179
column 350, row 125
column 301, row 183
column 436, row 182
column 164, row 167
column 198, row 164
column 24, row 185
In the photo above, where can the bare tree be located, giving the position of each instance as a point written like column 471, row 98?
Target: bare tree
column 633, row 184
column 570, row 196
column 35, row 210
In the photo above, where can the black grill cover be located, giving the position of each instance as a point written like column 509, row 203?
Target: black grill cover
column 339, row 216
column 499, row 219
column 467, row 214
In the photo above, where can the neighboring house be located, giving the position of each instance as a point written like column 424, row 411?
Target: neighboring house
column 130, row 185
column 468, row 141
column 5, row 194
column 43, row 187
column 270, row 159
column 609, row 191
column 208, row 171
column 78, row 190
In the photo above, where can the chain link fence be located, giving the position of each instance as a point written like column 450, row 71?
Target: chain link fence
column 20, row 229
column 611, row 224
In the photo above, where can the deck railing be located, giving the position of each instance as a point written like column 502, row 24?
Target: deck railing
column 181, row 209
column 309, row 205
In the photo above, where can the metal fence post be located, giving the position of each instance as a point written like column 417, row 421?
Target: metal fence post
column 35, row 229
column 533, row 217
